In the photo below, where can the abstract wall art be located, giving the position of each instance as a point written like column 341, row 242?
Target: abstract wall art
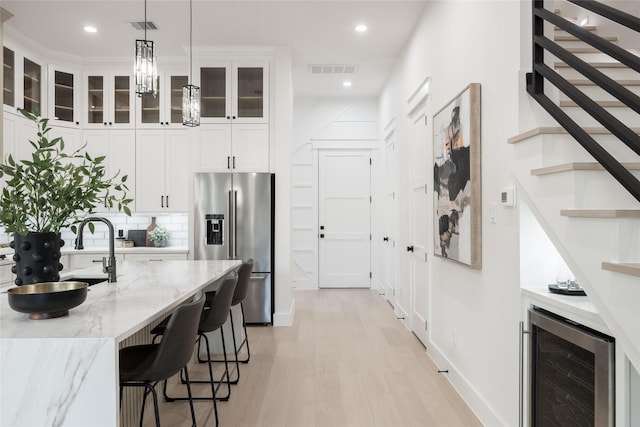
column 457, row 177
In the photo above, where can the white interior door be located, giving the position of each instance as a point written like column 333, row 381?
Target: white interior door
column 344, row 218
column 390, row 223
column 420, row 221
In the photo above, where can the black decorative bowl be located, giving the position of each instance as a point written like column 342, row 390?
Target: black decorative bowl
column 48, row 299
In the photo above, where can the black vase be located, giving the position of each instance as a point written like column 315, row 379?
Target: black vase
column 37, row 257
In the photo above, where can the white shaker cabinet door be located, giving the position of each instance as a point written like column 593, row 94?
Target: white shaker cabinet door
column 213, row 148
column 177, row 171
column 250, row 148
column 150, row 171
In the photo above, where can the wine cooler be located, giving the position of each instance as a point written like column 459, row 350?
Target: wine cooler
column 571, row 373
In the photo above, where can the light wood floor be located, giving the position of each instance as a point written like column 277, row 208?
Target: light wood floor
column 346, row 361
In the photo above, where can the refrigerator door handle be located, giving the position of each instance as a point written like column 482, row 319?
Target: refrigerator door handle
column 258, row 276
column 235, row 223
column 232, row 225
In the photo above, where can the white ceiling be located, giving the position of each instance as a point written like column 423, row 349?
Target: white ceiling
column 318, row 32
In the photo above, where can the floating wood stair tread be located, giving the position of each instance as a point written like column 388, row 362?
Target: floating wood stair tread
column 559, row 131
column 601, row 213
column 584, row 27
column 603, row 104
column 582, row 50
column 569, row 38
column 586, row 82
column 630, row 268
column 579, row 166
column 560, row 64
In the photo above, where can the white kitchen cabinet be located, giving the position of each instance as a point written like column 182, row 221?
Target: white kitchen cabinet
column 119, row 147
column 162, row 170
column 9, row 77
column 234, row 92
column 154, row 257
column 165, row 109
column 108, row 100
column 24, row 81
column 237, row 148
column 6, row 276
column 64, row 96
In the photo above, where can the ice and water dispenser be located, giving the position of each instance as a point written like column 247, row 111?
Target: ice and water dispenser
column 215, row 229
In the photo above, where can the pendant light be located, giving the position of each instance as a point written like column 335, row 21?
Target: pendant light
column 190, row 93
column 146, row 64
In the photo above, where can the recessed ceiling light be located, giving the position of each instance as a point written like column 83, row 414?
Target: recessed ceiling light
column 346, row 83
column 361, row 28
column 90, row 29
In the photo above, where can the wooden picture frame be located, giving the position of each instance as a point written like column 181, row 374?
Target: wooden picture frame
column 457, row 194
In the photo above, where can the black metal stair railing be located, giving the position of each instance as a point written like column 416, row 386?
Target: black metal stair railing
column 543, row 73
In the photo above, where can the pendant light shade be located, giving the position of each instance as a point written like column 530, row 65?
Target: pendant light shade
column 190, row 92
column 145, row 68
column 191, row 105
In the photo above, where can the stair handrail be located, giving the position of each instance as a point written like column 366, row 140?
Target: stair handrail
column 541, row 72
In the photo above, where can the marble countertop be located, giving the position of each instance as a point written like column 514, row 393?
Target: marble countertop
column 577, row 308
column 143, row 291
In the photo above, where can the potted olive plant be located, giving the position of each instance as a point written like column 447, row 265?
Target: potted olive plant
column 47, row 192
column 159, row 236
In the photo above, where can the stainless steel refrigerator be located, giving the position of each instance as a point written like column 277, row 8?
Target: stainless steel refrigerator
column 234, row 219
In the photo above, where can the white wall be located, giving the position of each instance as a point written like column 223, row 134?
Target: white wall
column 457, row 43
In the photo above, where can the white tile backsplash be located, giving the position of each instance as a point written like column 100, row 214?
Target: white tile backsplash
column 176, row 223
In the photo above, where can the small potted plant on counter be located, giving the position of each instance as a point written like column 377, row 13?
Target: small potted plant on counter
column 159, row 236
column 46, row 192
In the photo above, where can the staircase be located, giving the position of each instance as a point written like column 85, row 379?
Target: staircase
column 591, row 218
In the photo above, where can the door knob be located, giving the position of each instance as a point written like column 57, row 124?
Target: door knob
column 322, row 236
column 409, row 248
column 322, row 227
column 385, row 239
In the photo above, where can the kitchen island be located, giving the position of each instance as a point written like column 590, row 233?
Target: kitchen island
column 64, row 371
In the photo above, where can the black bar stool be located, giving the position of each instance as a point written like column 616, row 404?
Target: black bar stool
column 244, row 276
column 146, row 365
column 214, row 314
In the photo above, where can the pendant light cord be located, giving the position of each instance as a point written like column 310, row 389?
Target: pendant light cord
column 145, row 20
column 190, row 40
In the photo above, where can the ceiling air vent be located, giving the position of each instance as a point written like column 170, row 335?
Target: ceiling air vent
column 332, row 69
column 140, row 25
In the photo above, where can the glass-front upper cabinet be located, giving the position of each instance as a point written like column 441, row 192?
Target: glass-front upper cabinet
column 32, row 88
column 249, row 91
column 9, row 77
column 165, row 108
column 234, row 92
column 63, row 96
column 109, row 100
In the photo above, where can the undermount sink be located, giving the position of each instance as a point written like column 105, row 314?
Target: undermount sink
column 89, row 280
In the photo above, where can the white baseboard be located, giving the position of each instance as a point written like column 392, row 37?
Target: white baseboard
column 284, row 318
column 469, row 394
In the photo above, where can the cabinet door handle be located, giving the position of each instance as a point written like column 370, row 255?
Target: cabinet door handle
column 155, row 259
column 409, row 248
column 228, row 117
column 162, row 201
column 96, row 260
column 234, row 162
column 167, row 200
column 228, row 162
column 110, row 123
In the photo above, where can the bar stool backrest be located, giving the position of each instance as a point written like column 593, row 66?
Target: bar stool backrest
column 244, row 275
column 217, row 314
column 176, row 348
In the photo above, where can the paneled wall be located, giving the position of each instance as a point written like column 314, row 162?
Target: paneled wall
column 321, row 123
